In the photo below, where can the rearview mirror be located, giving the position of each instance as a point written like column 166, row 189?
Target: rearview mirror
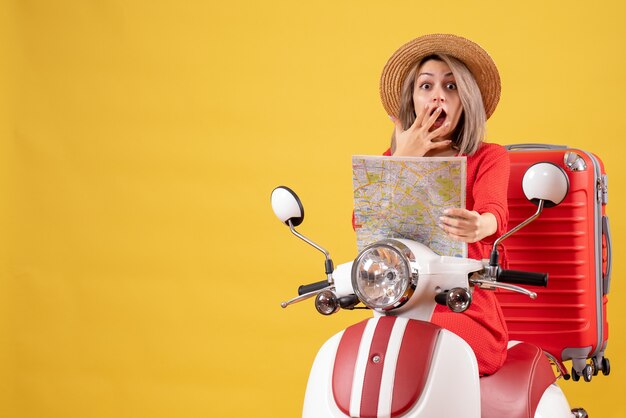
column 547, row 182
column 287, row 206
column 545, row 185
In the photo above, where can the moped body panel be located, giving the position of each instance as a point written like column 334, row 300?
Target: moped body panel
column 385, row 381
column 553, row 404
column 398, row 367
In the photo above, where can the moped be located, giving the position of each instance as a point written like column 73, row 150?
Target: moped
column 398, row 363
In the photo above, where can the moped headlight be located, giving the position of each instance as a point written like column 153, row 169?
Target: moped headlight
column 382, row 277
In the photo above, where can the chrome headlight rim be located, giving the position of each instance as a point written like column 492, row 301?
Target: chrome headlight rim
column 406, row 256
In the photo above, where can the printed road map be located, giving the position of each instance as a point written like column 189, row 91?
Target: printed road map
column 403, row 197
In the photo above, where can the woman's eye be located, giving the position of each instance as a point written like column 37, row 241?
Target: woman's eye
column 425, row 86
column 451, row 86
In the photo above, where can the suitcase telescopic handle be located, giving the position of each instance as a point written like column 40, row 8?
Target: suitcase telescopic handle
column 527, row 278
column 512, row 147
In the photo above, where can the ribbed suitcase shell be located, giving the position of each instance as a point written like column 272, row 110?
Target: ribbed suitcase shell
column 569, row 242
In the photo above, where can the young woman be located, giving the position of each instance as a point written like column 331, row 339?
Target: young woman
column 439, row 91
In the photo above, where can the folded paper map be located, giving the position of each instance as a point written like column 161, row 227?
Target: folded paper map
column 403, row 197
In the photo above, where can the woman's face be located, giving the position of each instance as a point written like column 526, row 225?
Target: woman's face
column 436, row 87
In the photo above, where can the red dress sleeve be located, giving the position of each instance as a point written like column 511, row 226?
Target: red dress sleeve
column 487, row 188
column 488, row 178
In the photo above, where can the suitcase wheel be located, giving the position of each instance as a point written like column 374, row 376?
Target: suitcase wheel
column 606, row 366
column 586, row 373
column 595, row 366
column 603, row 366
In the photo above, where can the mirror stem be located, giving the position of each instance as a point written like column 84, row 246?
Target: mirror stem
column 329, row 267
column 493, row 261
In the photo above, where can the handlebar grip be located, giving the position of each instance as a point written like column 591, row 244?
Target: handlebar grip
column 312, row 287
column 523, row 277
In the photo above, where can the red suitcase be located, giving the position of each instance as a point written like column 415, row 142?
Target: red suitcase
column 571, row 242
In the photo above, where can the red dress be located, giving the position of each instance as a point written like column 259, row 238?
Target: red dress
column 482, row 325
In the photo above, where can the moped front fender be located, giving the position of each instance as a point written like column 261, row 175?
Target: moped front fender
column 382, row 351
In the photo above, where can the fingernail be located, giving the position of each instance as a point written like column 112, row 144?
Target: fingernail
column 446, row 211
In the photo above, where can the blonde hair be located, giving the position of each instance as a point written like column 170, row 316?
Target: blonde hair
column 470, row 130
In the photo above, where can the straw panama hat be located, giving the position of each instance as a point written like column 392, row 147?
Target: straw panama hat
column 471, row 54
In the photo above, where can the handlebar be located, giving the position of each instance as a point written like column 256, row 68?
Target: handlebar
column 527, row 278
column 312, row 287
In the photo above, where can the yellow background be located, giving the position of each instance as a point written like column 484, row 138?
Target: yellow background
column 141, row 267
